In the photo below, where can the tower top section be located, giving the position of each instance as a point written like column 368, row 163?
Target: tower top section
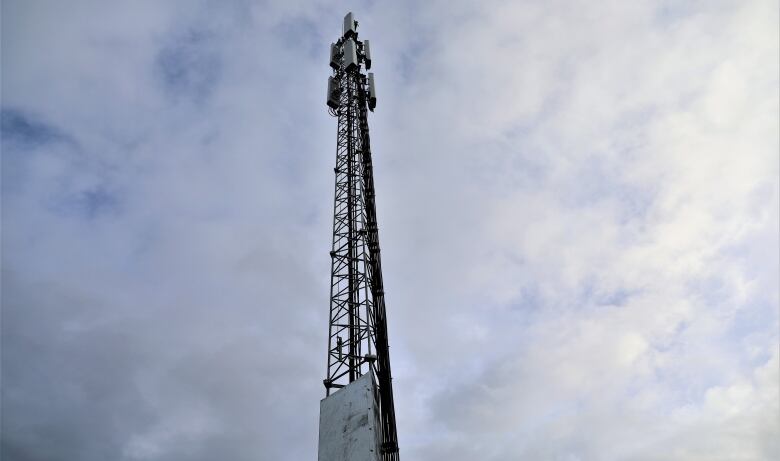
column 348, row 58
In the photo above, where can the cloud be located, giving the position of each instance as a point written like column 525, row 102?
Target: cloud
column 578, row 209
column 188, row 65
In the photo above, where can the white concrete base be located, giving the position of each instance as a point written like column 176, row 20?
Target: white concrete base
column 349, row 423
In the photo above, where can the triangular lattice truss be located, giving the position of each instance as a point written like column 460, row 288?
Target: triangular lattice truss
column 358, row 326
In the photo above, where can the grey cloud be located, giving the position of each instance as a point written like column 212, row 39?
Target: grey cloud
column 22, row 128
column 190, row 65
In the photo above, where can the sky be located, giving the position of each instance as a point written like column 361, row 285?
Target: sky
column 578, row 209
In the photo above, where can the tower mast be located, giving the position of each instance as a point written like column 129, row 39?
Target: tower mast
column 357, row 340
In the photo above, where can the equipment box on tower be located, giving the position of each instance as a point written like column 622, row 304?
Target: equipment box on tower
column 349, row 423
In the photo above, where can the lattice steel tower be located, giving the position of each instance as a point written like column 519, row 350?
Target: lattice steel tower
column 357, row 341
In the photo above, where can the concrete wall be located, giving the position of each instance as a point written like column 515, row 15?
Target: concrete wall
column 349, row 423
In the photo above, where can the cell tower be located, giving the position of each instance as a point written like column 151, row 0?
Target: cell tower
column 357, row 344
